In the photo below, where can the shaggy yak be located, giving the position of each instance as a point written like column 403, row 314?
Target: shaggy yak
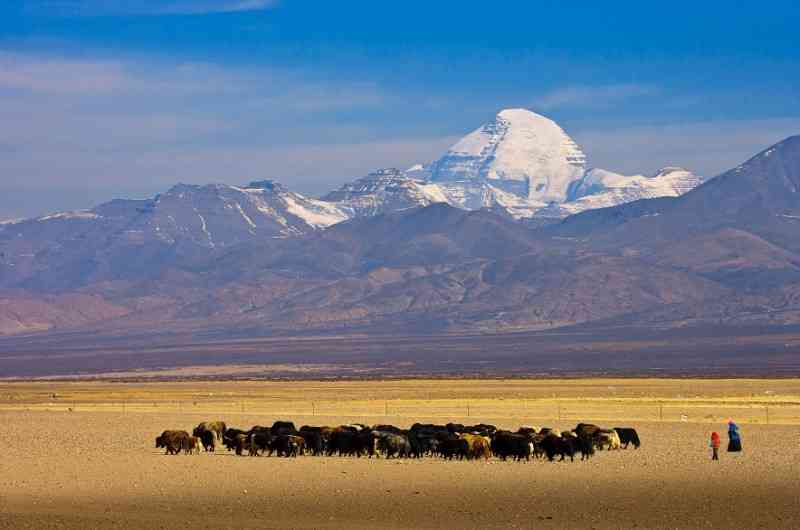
column 260, row 441
column 216, row 427
column 457, row 448
column 172, row 441
column 505, row 444
column 282, row 427
column 628, row 436
column 242, row 442
column 191, row 445
column 230, row 439
column 608, row 440
column 393, row 445
column 288, row 445
column 315, row 443
column 479, row 446
column 207, row 439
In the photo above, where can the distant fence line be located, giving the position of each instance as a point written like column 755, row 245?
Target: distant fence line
column 522, row 409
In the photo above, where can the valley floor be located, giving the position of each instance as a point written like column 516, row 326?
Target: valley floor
column 575, row 352
column 75, row 458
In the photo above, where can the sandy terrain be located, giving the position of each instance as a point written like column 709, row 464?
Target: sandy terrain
column 89, row 468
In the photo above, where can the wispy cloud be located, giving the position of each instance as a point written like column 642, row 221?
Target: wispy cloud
column 707, row 147
column 60, row 76
column 584, row 96
column 145, row 7
column 108, row 123
column 190, row 7
column 28, row 75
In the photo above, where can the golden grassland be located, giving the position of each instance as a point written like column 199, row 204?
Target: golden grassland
column 774, row 401
column 81, row 455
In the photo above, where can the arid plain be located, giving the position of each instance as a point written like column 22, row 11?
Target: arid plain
column 81, row 455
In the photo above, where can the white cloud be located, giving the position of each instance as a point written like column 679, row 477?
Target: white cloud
column 31, row 75
column 91, row 123
column 196, row 7
column 145, row 7
column 584, row 96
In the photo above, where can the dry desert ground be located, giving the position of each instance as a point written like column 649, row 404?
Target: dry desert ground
column 81, row 455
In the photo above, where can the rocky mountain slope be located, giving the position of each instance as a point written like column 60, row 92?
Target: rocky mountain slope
column 259, row 259
column 144, row 238
column 739, row 230
column 760, row 196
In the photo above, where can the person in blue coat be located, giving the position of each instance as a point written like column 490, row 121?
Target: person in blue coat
column 734, row 440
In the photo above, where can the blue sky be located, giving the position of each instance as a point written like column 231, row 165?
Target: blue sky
column 101, row 98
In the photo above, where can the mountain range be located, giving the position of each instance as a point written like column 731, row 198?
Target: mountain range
column 507, row 231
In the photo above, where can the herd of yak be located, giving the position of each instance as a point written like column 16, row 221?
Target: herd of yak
column 446, row 441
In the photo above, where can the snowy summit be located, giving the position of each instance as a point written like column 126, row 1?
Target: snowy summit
column 520, row 152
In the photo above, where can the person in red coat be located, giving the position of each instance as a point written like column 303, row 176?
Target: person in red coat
column 714, row 446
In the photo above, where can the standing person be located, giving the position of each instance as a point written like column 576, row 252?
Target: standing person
column 734, row 440
column 714, row 446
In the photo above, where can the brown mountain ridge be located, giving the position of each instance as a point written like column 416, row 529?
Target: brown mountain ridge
column 726, row 253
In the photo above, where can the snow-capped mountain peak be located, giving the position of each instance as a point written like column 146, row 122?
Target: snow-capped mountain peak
column 521, row 164
column 520, row 152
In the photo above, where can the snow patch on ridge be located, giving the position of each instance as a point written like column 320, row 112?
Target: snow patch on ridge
column 318, row 214
column 600, row 188
column 77, row 214
column 385, row 190
column 245, row 216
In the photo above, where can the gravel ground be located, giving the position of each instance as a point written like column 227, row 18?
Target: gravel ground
column 100, row 470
